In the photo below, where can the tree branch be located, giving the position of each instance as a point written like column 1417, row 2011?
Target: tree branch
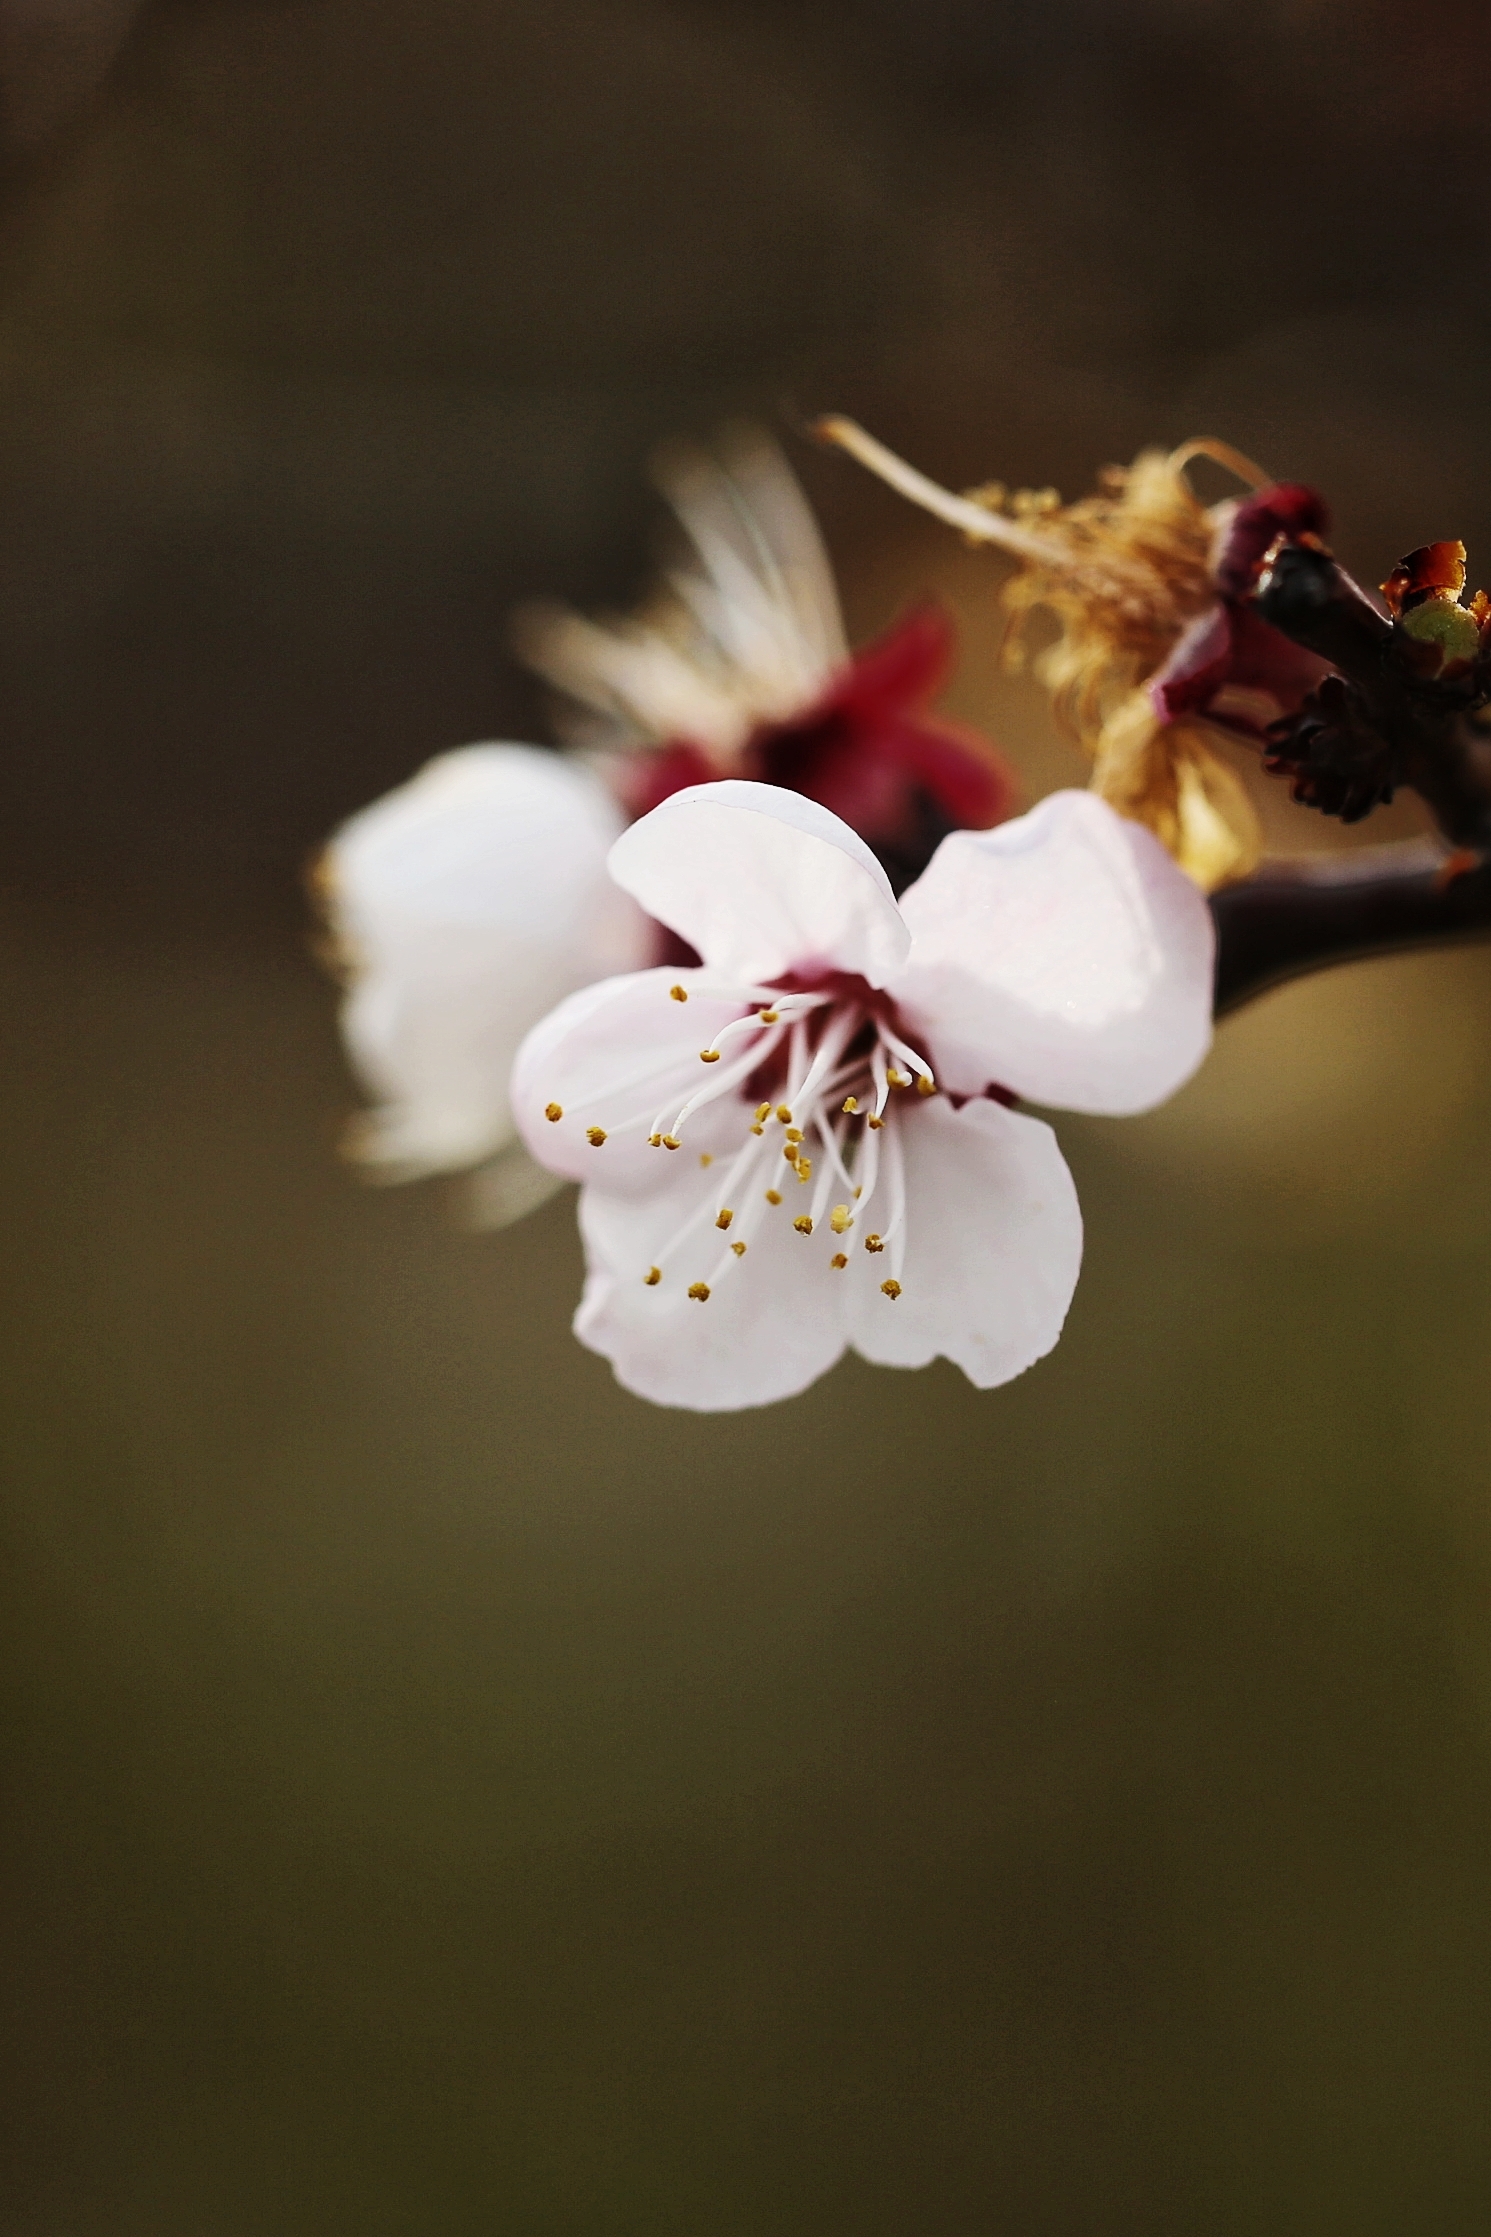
column 1297, row 916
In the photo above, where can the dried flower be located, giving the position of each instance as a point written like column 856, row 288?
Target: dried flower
column 1158, row 648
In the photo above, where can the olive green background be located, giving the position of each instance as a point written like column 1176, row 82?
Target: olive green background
column 442, row 1794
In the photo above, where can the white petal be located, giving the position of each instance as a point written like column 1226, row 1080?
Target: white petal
column 580, row 1059
column 467, row 903
column 762, row 881
column 993, row 1246
column 772, row 1324
column 1062, row 955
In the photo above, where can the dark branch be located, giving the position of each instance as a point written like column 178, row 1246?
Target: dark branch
column 1294, row 917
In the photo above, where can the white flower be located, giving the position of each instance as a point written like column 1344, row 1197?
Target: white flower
column 464, row 905
column 804, row 1144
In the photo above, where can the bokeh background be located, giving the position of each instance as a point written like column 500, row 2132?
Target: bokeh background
column 443, row 1795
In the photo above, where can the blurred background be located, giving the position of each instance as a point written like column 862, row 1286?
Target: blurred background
column 444, row 1795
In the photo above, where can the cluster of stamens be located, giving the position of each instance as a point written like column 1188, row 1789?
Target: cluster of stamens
column 840, row 1063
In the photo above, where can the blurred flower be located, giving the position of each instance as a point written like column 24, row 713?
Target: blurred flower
column 465, row 904
column 1158, row 646
column 739, row 667
column 845, row 1169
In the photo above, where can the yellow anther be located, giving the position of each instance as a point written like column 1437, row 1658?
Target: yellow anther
column 699, row 1291
column 898, row 1079
column 758, row 1129
column 926, row 1086
column 739, row 1249
column 890, row 1289
column 859, row 1192
column 804, row 1224
column 706, row 1157
column 595, row 1135
column 772, row 1197
column 784, row 1114
column 877, row 1123
column 794, row 1133
column 767, row 1017
column 671, row 1142
column 656, row 1141
column 709, row 1056
column 850, row 1103
column 763, row 1113
column 805, row 1168
column 789, row 1151
column 679, row 994
column 724, row 1218
column 653, row 1276
column 553, row 1111
column 839, row 1260
column 840, row 1218
column 874, row 1243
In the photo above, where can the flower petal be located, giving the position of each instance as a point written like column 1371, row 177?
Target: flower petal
column 623, row 1051
column 772, row 1324
column 1063, row 956
column 992, row 1252
column 467, row 903
column 762, row 882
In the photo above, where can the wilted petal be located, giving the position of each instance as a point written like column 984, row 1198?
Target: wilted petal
column 466, row 904
column 992, row 1249
column 762, row 882
column 1063, row 956
column 772, row 1324
column 507, row 1188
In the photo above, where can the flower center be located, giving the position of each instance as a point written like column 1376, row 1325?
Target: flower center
column 819, row 1067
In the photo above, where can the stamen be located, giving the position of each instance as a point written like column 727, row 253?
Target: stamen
column 890, row 1289
column 804, row 1224
column 789, row 1151
column 804, row 1169
column 895, row 1230
column 840, row 1218
column 769, row 1017
column 731, row 1077
column 706, row 1157
column 671, row 1142
column 851, row 1103
column 678, row 993
column 773, row 1196
column 763, row 1113
column 926, row 1085
column 709, row 1056
column 699, row 1291
column 553, row 1112
column 595, row 1135
column 724, row 1218
column 794, row 1133
column 838, row 1261
column 877, row 1123
column 784, row 1114
column 908, row 1055
column 898, row 1079
column 653, row 1276
column 739, row 1249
